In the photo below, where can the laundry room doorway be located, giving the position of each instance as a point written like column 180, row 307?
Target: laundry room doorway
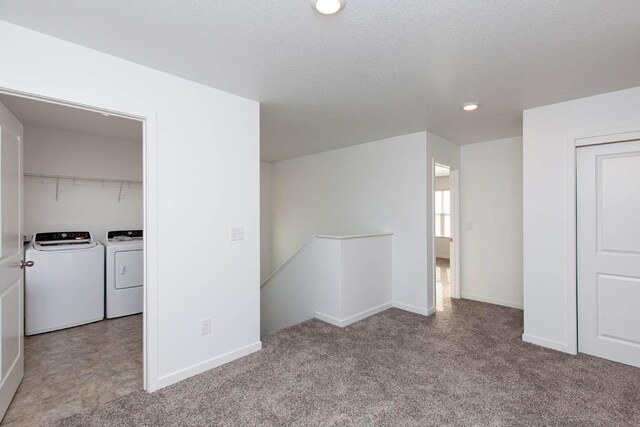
column 76, row 228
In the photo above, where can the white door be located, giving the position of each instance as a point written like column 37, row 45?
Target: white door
column 608, row 218
column 454, row 245
column 11, row 277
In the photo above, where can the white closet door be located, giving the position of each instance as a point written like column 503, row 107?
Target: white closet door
column 11, row 277
column 608, row 218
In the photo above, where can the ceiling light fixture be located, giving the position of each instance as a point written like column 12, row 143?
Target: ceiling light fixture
column 328, row 7
column 470, row 106
column 106, row 114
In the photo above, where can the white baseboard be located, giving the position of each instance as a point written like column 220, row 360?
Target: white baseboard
column 207, row 364
column 363, row 315
column 489, row 300
column 352, row 319
column 414, row 309
column 328, row 319
column 544, row 342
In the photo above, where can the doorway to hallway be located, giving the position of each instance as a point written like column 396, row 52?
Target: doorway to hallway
column 444, row 245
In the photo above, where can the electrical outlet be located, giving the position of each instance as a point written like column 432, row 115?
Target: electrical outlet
column 205, row 326
column 237, row 233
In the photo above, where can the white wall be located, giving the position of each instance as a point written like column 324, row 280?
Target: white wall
column 491, row 221
column 337, row 279
column 203, row 179
column 366, row 286
column 85, row 205
column 290, row 296
column 549, row 220
column 443, row 152
column 60, row 152
column 379, row 186
column 266, row 267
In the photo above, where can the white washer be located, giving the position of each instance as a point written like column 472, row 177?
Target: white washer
column 124, row 272
column 65, row 286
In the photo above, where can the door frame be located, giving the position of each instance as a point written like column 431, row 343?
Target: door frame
column 454, row 252
column 610, row 136
column 454, row 255
column 148, row 117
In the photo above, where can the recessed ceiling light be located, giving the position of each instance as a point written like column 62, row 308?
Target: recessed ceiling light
column 106, row 114
column 470, row 106
column 328, row 7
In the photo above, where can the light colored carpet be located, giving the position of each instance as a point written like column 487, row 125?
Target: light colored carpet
column 465, row 365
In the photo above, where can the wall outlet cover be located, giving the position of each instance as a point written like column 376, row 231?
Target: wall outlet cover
column 205, row 326
column 237, row 233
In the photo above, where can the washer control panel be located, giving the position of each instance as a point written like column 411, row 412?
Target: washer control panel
column 61, row 236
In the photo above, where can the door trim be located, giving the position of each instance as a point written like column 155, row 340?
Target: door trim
column 454, row 275
column 148, row 117
column 454, row 254
column 594, row 137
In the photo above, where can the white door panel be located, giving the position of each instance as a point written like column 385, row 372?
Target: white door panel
column 11, row 277
column 10, row 313
column 618, row 214
column 10, row 187
column 618, row 299
column 608, row 221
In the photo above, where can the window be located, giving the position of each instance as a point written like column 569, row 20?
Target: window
column 442, row 214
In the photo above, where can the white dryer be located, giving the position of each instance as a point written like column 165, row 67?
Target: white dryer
column 65, row 286
column 124, row 276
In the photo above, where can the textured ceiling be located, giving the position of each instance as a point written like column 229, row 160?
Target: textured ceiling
column 44, row 114
column 379, row 68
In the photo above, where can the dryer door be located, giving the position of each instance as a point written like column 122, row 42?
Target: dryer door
column 128, row 269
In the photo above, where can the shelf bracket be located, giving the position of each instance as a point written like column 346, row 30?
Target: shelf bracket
column 57, row 188
column 120, row 193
